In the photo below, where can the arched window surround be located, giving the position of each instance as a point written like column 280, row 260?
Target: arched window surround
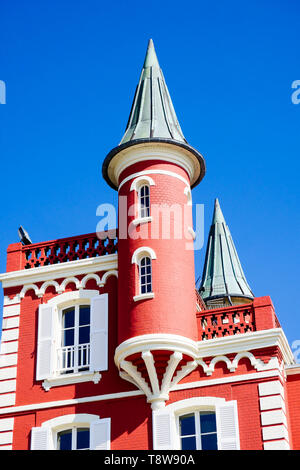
column 167, row 420
column 49, row 338
column 137, row 257
column 45, row 436
column 142, row 200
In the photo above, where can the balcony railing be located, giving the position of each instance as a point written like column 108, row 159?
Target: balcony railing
column 226, row 321
column 73, row 358
column 68, row 249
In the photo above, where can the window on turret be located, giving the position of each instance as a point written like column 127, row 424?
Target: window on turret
column 145, row 275
column 144, row 201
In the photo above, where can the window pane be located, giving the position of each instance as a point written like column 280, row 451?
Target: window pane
column 188, row 443
column 209, row 442
column 143, row 289
column 84, row 315
column 84, row 334
column 207, row 422
column 68, row 338
column 187, row 425
column 65, row 440
column 68, row 317
column 83, row 438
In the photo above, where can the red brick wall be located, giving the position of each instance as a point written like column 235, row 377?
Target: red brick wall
column 293, row 396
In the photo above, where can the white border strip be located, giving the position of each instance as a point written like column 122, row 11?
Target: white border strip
column 112, row 396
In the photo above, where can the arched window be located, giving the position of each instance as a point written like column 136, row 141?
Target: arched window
column 72, row 338
column 74, row 353
column 143, row 257
column 144, row 201
column 145, row 275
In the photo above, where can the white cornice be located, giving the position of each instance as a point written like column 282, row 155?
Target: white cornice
column 154, row 151
column 58, row 271
column 247, row 342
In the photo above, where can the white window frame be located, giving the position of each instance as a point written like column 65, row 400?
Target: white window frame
column 45, row 437
column 100, row 339
column 141, row 284
column 166, row 427
column 198, row 433
column 73, row 429
column 137, row 185
column 137, row 257
column 76, row 305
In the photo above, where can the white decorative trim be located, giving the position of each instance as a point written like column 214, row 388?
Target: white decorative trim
column 155, row 172
column 11, row 310
column 6, row 424
column 247, row 342
column 73, row 296
column 148, row 295
column 134, row 393
column 10, row 322
column 8, row 399
column 224, row 380
column 71, row 379
column 32, row 276
column 8, row 360
column 70, row 402
column 155, row 342
column 142, row 251
column 69, row 280
column 279, row 444
column 27, row 288
column 91, row 276
column 42, row 290
column 6, row 438
column 275, row 432
column 8, row 386
column 8, row 373
column 148, row 152
column 77, row 419
column 143, row 179
column 107, row 274
column 143, row 220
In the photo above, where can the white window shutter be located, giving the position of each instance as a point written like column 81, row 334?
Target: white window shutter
column 227, row 426
column 100, row 434
column 99, row 333
column 45, row 347
column 163, row 430
column 40, row 438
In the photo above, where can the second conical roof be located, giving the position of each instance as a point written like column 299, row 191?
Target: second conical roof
column 223, row 275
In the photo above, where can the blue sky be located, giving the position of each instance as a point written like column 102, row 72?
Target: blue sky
column 71, row 68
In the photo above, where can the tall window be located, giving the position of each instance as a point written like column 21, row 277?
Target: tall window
column 145, row 274
column 74, row 354
column 198, row 431
column 144, row 201
column 74, row 439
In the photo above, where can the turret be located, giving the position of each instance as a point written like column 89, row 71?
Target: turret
column 153, row 168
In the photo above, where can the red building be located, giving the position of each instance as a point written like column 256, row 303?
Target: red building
column 106, row 343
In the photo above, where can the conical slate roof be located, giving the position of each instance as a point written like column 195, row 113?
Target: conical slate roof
column 223, row 275
column 153, row 120
column 152, row 114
